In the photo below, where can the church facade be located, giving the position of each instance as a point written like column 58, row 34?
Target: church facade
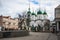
column 36, row 19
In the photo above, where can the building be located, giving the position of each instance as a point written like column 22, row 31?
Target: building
column 52, row 23
column 57, row 17
column 33, row 19
column 8, row 23
column 36, row 19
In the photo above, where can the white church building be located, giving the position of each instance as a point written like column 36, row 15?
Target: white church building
column 38, row 18
column 35, row 19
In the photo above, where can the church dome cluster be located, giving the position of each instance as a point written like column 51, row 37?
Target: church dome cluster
column 37, row 13
column 37, row 18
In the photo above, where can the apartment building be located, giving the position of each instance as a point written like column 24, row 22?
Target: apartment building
column 8, row 23
column 57, row 17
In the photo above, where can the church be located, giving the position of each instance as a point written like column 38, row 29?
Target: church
column 36, row 19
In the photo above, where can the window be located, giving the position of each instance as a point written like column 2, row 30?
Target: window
column 4, row 22
column 58, row 11
column 13, row 23
column 9, row 23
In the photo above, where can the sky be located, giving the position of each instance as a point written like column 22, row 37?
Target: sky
column 13, row 7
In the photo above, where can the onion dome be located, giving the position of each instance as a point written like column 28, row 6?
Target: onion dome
column 39, row 12
column 29, row 11
column 34, row 14
column 44, row 13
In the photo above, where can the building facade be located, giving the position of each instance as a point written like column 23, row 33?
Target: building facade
column 57, row 17
column 8, row 23
column 37, row 19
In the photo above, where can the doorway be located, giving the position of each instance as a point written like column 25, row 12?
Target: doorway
column 59, row 25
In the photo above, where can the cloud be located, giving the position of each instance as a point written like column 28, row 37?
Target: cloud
column 12, row 7
column 34, row 1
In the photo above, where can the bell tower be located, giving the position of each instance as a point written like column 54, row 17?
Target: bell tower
column 28, row 15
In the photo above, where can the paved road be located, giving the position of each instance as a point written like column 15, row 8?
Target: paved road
column 58, row 36
column 35, row 36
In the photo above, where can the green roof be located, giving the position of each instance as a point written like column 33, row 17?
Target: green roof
column 34, row 14
column 44, row 13
column 39, row 12
column 29, row 11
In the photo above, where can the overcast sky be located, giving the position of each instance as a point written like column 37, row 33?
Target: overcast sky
column 12, row 7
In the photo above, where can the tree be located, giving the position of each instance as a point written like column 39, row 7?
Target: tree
column 47, row 24
column 20, row 21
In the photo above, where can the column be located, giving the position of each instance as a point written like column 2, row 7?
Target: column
column 57, row 26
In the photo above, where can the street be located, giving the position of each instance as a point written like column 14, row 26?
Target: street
column 35, row 36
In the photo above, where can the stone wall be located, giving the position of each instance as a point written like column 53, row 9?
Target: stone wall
column 14, row 33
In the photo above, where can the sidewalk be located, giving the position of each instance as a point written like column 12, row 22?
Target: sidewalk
column 35, row 36
column 58, row 36
column 52, row 36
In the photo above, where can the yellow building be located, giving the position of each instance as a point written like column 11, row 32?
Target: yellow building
column 8, row 23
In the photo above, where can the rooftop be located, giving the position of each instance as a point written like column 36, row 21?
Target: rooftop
column 39, row 12
column 58, row 6
column 8, row 17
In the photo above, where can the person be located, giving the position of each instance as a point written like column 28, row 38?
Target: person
column 51, row 29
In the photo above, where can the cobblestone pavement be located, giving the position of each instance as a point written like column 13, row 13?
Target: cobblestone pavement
column 35, row 36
